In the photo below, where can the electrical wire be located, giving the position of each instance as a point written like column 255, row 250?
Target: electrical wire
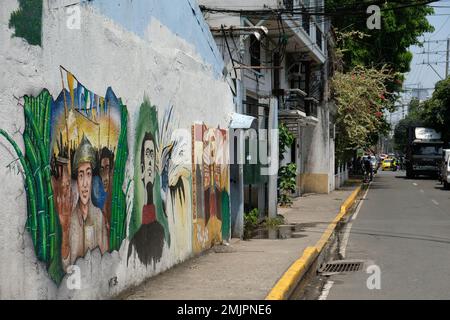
column 353, row 9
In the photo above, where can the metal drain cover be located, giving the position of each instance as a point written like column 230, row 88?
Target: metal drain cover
column 340, row 266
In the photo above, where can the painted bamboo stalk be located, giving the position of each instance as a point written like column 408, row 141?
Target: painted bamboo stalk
column 116, row 190
column 118, row 200
column 29, row 185
column 52, row 214
column 42, row 207
column 124, row 151
column 120, row 180
column 41, row 132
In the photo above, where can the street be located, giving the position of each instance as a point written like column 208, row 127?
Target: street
column 403, row 227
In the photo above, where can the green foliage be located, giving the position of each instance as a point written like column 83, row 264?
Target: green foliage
column 435, row 112
column 250, row 222
column 361, row 102
column 389, row 46
column 363, row 51
column 401, row 129
column 273, row 223
column 27, row 21
column 286, row 183
column 286, row 139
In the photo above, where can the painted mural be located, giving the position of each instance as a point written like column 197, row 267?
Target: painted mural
column 161, row 188
column 76, row 149
column 74, row 171
column 27, row 21
column 210, row 179
column 89, row 152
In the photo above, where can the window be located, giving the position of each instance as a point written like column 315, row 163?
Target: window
column 255, row 52
column 428, row 150
column 297, row 76
column 319, row 37
column 305, row 20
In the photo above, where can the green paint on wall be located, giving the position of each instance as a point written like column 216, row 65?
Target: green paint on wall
column 147, row 122
column 27, row 21
column 225, row 215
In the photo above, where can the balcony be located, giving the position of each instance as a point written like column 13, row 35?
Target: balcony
column 295, row 100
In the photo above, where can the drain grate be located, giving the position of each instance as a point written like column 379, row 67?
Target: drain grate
column 339, row 266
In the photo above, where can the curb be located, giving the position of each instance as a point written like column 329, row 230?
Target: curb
column 292, row 277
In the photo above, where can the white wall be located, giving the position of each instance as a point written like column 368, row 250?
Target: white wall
column 101, row 54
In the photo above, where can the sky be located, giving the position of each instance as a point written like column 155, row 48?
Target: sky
column 422, row 75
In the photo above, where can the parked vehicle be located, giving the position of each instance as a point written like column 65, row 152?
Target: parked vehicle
column 444, row 176
column 374, row 164
column 387, row 164
column 424, row 152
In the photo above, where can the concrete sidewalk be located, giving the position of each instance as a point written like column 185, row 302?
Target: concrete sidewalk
column 245, row 270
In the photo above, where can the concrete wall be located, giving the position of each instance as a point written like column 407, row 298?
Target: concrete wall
column 160, row 61
column 316, row 176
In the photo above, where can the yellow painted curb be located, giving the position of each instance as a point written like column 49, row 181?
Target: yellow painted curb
column 287, row 283
column 292, row 276
column 343, row 211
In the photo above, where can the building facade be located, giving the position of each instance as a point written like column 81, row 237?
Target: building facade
column 277, row 53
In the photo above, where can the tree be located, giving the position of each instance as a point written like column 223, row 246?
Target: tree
column 414, row 118
column 361, row 102
column 433, row 113
column 360, row 119
column 436, row 111
column 389, row 46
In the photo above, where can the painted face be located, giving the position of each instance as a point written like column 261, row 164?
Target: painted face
column 84, row 182
column 105, row 167
column 148, row 167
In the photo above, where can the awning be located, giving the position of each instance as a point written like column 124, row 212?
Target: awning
column 241, row 121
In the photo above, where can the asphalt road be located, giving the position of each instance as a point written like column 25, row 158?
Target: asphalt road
column 403, row 228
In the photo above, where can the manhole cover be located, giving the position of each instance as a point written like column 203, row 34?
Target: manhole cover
column 340, row 266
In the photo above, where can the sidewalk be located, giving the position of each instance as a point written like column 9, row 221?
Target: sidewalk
column 245, row 270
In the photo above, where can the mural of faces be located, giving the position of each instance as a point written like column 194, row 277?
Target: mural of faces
column 211, row 196
column 85, row 130
column 148, row 241
column 84, row 182
column 105, row 171
column 74, row 136
column 148, row 159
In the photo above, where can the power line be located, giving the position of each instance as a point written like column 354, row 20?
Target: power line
column 354, row 9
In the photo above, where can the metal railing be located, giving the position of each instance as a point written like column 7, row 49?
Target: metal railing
column 311, row 107
column 295, row 102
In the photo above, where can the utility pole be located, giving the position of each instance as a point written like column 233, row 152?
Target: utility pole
column 447, row 60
